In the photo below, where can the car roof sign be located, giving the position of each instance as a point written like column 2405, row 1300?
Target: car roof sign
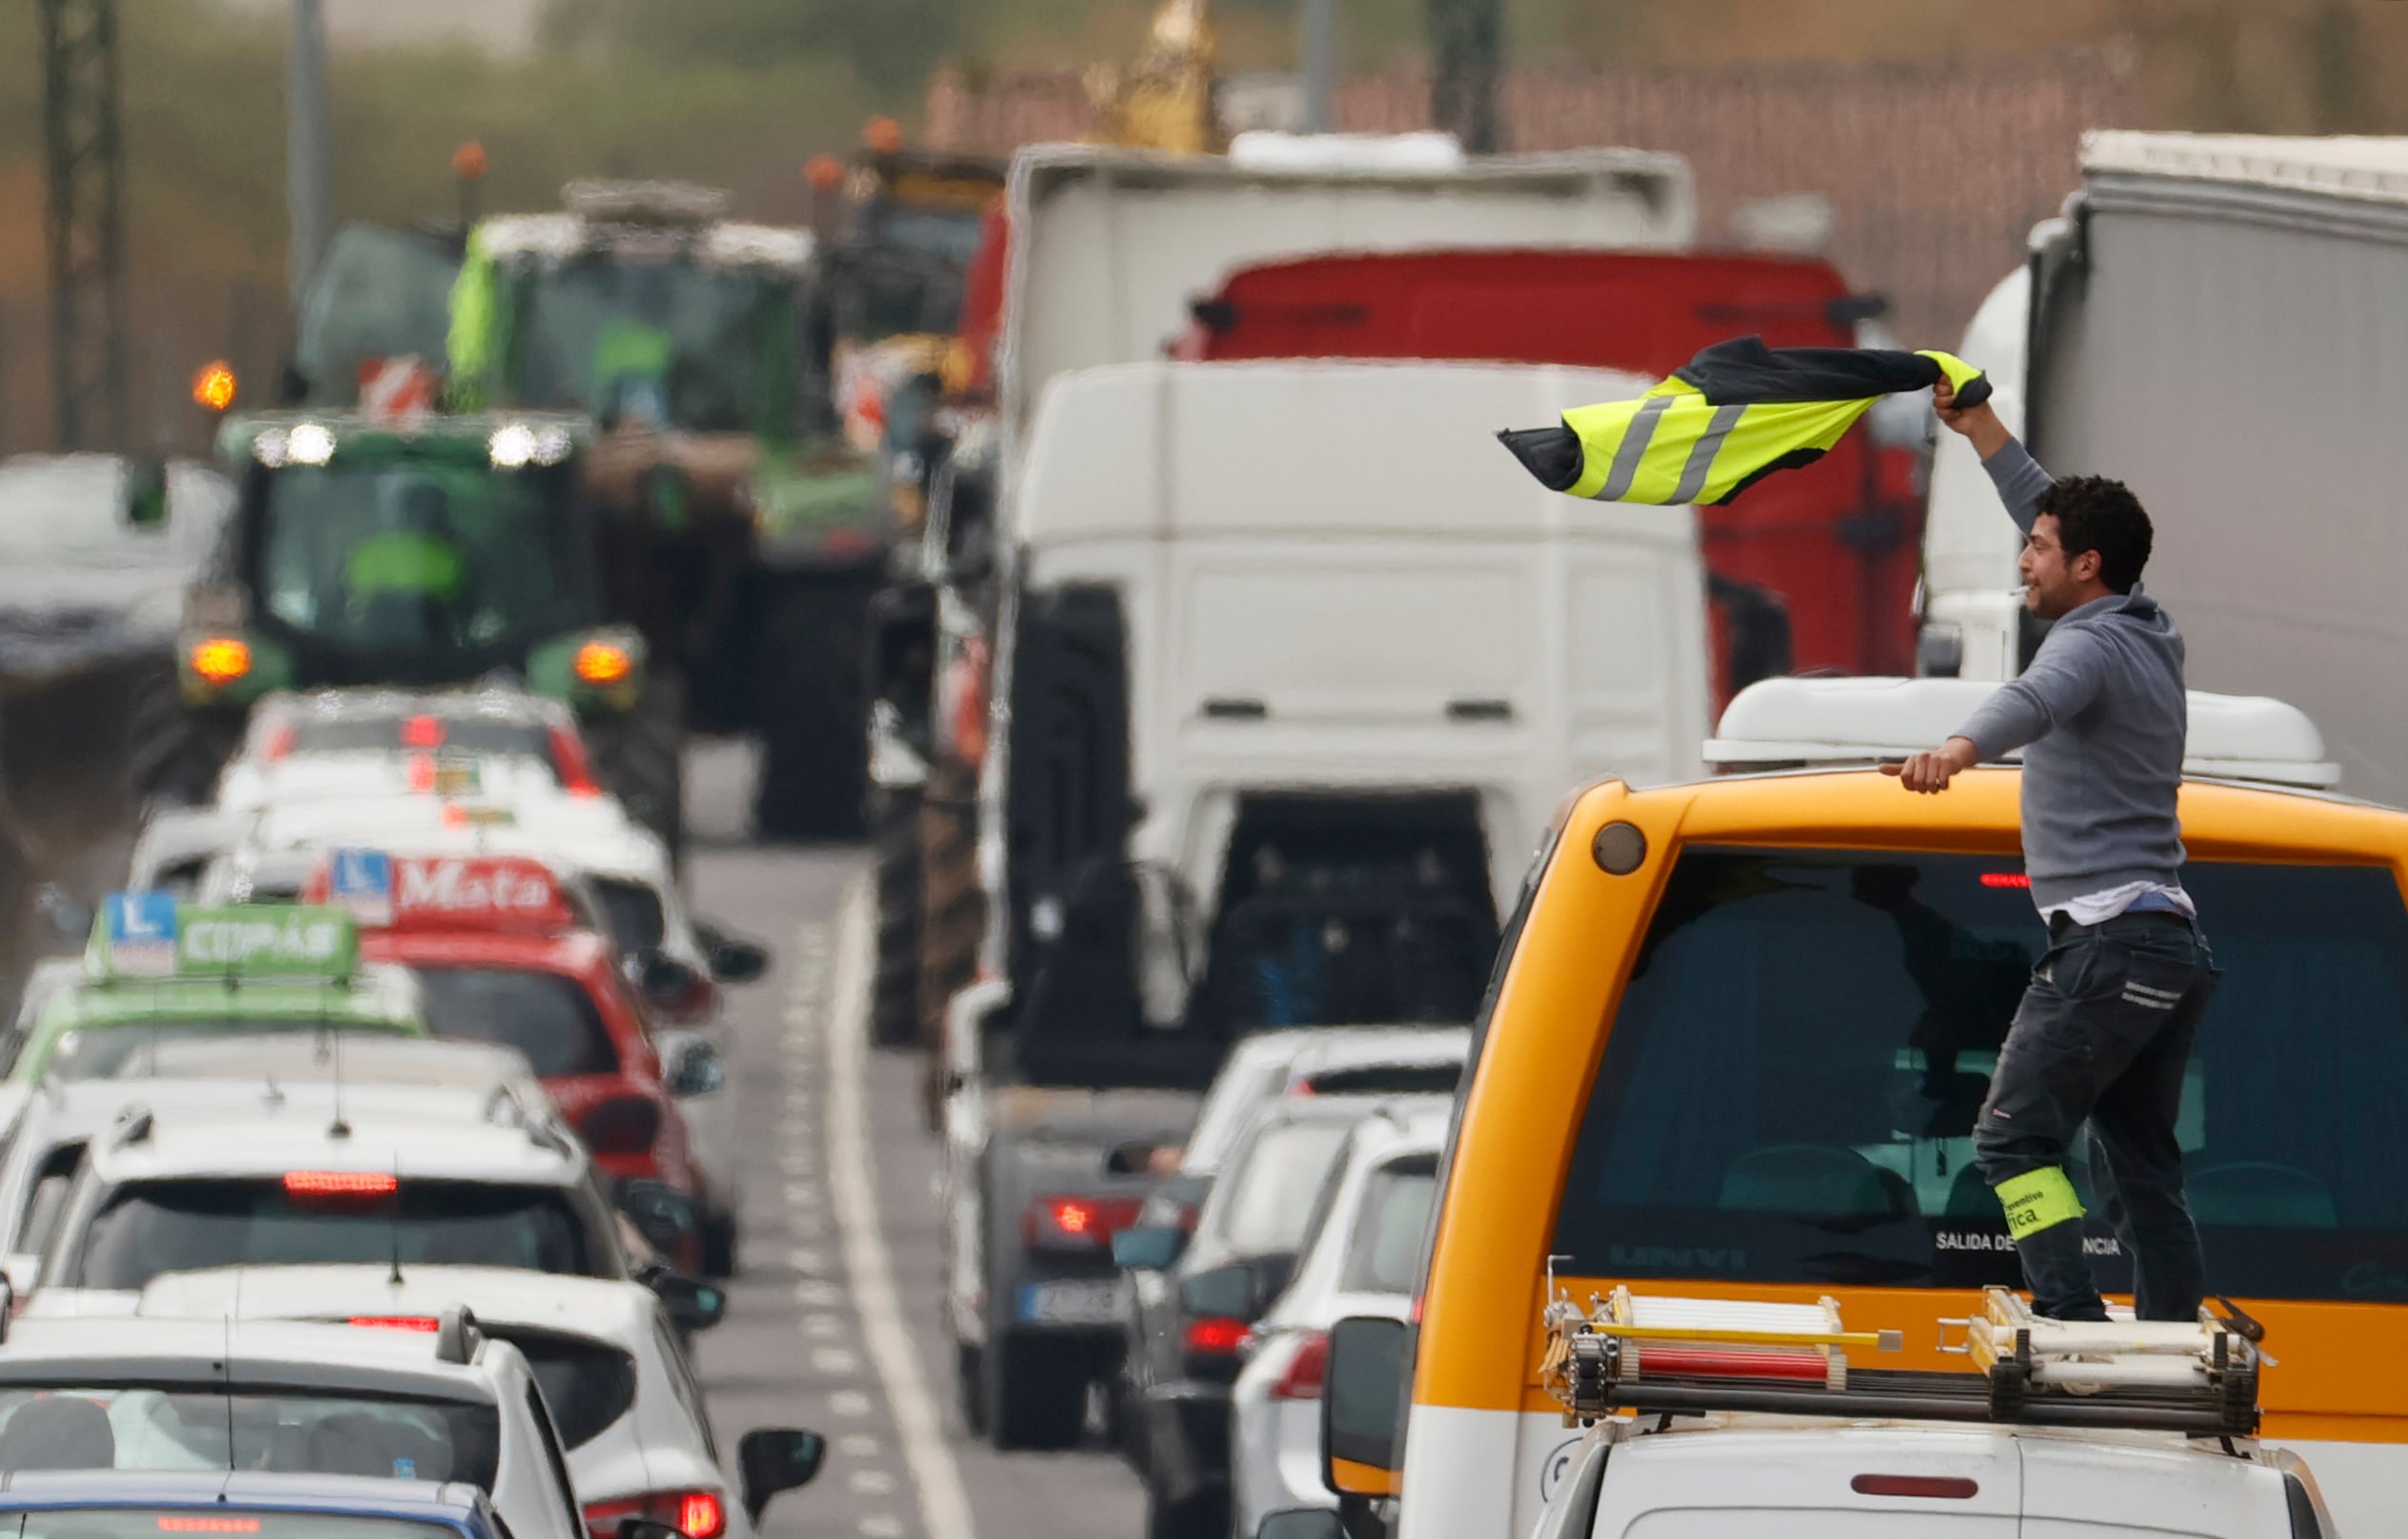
column 455, row 893
column 360, row 882
column 267, row 941
column 136, row 935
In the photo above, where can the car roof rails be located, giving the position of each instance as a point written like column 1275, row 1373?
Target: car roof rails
column 1681, row 1356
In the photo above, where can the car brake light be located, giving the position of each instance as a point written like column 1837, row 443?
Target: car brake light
column 569, row 759
column 1302, row 1378
column 422, row 731
column 394, row 1322
column 277, row 746
column 1953, row 1488
column 1077, row 1223
column 697, row 1515
column 1217, row 1335
column 178, row 1524
column 340, row 1182
column 2014, row 879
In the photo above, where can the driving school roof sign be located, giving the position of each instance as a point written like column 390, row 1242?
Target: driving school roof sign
column 444, row 891
column 266, row 941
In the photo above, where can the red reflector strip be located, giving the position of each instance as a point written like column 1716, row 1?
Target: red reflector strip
column 1727, row 1363
column 340, row 1182
column 422, row 733
column 184, row 1525
column 394, row 1322
column 2014, row 879
column 1950, row 1487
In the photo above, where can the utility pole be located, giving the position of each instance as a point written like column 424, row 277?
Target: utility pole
column 1320, row 66
column 84, row 163
column 305, row 145
column 1466, row 49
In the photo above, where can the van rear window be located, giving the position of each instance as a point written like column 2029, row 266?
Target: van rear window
column 1788, row 1091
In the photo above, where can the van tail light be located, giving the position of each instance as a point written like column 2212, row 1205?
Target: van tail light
column 697, row 1515
column 1085, row 1225
column 1951, row 1488
column 623, row 1125
column 1215, row 1335
column 570, row 761
column 395, row 1322
column 1301, row 1380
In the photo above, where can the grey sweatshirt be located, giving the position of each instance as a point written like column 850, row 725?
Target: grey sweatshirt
column 2100, row 716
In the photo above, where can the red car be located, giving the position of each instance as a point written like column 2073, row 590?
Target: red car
column 504, row 958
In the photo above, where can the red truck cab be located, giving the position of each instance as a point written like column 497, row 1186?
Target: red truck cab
column 1836, row 545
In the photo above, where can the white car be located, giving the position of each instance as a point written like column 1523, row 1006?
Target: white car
column 157, row 1194
column 607, row 1356
column 443, row 1405
column 1367, row 1238
column 259, row 1082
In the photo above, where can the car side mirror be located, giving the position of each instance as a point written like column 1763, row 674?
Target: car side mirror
column 70, row 919
column 1153, row 1248
column 773, row 1459
column 692, row 1305
column 694, row 1067
column 1231, row 1293
column 1363, row 1394
column 666, row 1217
column 1301, row 1523
column 665, row 980
column 738, row 961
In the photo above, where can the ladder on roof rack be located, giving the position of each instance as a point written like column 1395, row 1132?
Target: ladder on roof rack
column 1692, row 1357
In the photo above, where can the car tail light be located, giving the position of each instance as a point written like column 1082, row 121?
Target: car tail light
column 178, row 1522
column 1077, row 1223
column 418, row 772
column 1301, row 1380
column 1953, row 1488
column 340, row 1182
column 1217, row 1335
column 569, row 760
column 697, row 1515
column 422, row 731
column 277, row 745
column 395, row 1322
column 623, row 1125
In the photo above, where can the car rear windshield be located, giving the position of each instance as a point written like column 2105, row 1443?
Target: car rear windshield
column 144, row 1229
column 97, row 1053
column 634, row 911
column 397, row 733
column 548, row 1017
column 587, row 1385
column 154, row 1522
column 1788, row 1091
column 1383, row 1253
column 66, row 1426
column 1270, row 1199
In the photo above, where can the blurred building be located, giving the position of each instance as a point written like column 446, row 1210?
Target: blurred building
column 1933, row 170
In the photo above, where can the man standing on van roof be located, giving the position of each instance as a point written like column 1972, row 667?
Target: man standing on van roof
column 2107, row 1020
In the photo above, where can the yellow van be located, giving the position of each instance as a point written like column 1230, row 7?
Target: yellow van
column 1740, row 1030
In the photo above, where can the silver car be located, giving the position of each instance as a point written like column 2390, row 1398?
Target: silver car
column 1369, row 1233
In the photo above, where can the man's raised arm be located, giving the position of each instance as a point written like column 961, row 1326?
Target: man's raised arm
column 2013, row 471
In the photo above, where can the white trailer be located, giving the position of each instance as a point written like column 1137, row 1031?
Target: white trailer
column 2218, row 323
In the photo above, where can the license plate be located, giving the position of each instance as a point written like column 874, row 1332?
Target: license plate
column 1080, row 1303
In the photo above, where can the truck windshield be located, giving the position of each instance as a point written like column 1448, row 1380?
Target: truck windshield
column 407, row 556
column 68, row 1426
column 673, row 344
column 1788, row 1091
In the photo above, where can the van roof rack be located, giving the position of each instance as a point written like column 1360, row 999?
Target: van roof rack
column 1679, row 1357
column 1777, row 724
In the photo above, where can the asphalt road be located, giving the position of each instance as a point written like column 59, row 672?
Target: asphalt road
column 834, row 1322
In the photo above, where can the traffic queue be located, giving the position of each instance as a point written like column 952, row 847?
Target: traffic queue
column 359, row 1156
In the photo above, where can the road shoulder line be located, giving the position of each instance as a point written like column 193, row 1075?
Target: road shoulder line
column 944, row 1503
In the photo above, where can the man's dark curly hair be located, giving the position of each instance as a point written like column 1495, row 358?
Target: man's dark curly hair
column 2094, row 513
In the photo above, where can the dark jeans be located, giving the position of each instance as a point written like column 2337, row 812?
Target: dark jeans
column 2103, row 1033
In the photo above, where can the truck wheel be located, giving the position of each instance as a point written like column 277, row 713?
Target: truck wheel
column 970, row 1392
column 894, row 1001
column 812, row 706
column 174, row 752
column 1034, row 1393
column 641, row 755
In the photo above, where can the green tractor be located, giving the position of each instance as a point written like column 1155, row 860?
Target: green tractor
column 682, row 334
column 419, row 552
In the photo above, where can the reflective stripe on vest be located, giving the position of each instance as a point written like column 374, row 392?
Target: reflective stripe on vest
column 1676, row 446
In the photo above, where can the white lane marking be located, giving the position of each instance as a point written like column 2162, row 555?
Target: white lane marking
column 812, row 1295
column 858, row 1445
column 936, row 1480
column 881, row 1526
column 822, row 1325
column 871, row 1482
column 836, row 1361
column 848, row 1403
column 809, row 1261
